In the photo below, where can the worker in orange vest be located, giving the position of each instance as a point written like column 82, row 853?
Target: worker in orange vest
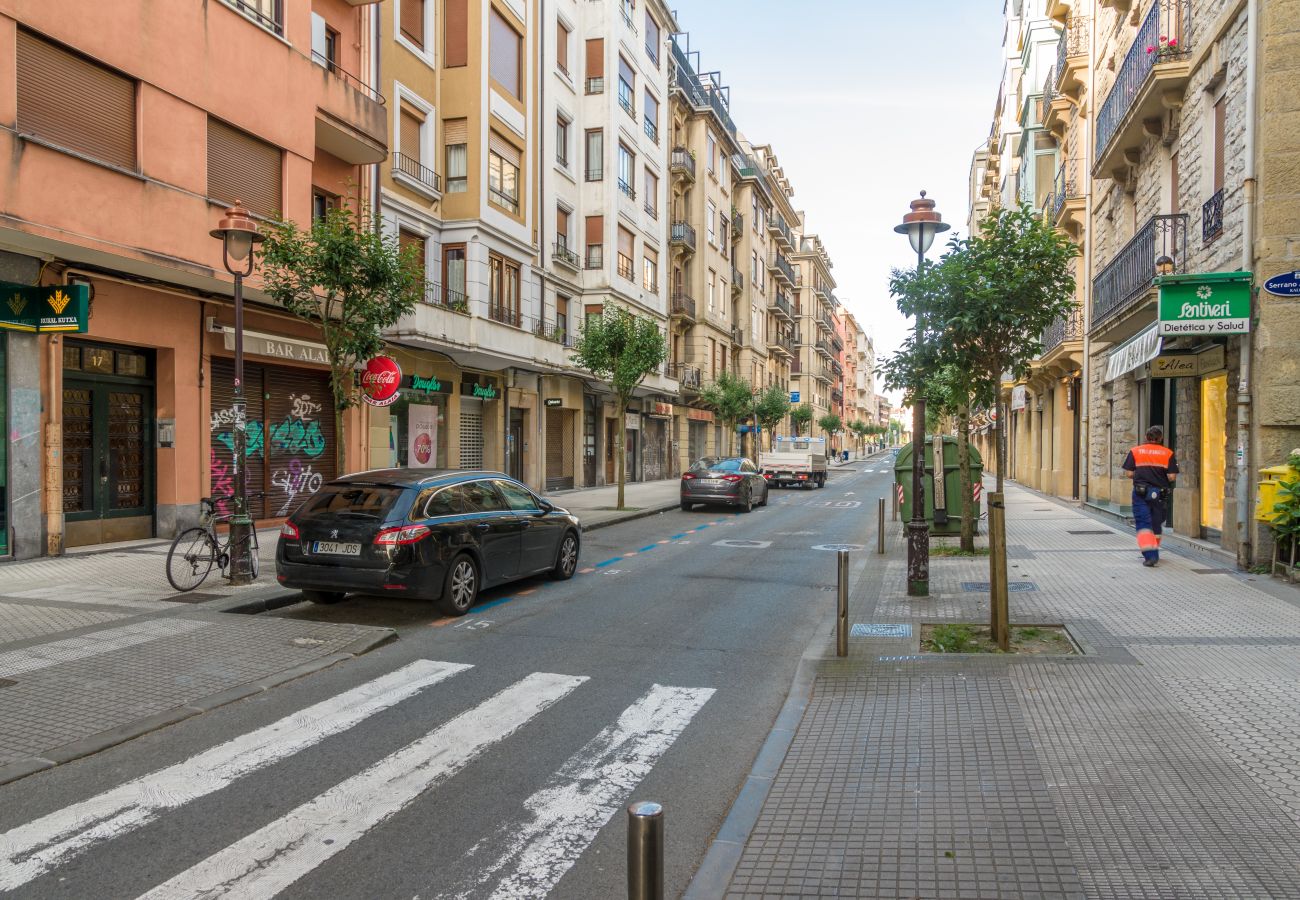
column 1154, row 469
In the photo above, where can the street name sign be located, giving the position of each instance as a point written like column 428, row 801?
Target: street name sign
column 1285, row 285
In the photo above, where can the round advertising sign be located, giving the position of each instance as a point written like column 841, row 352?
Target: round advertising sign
column 423, row 449
column 380, row 381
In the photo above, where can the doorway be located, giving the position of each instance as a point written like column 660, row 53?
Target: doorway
column 589, row 444
column 1162, row 410
column 1214, row 452
column 515, row 445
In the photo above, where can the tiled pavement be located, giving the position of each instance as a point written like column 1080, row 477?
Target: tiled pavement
column 1164, row 762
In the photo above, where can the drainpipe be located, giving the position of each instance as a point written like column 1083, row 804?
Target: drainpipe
column 1244, row 547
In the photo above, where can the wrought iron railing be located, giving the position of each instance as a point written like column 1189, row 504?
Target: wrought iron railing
column 626, row 189
column 776, row 222
column 1067, row 187
column 683, row 233
column 625, row 269
column 625, row 100
column 825, row 322
column 1049, row 94
column 595, row 256
column 790, row 342
column 682, row 305
column 554, row 333
column 562, row 254
column 687, row 375
column 273, row 23
column 412, row 168
column 782, row 265
column 353, row 81
column 1212, row 217
column 737, row 280
column 596, row 85
column 737, row 336
column 779, row 301
column 837, row 396
column 652, row 130
column 836, row 367
column 682, row 162
column 837, row 344
column 506, row 315
column 437, row 295
column 737, row 226
column 1164, row 36
column 1073, row 42
column 1066, row 328
column 824, row 346
column 1128, row 275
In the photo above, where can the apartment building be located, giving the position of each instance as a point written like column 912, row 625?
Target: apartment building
column 112, row 125
column 1172, row 179
column 807, row 272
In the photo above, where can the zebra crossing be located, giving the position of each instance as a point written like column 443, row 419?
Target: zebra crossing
column 525, row 857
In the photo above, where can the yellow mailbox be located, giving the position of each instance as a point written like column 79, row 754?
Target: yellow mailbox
column 1273, row 477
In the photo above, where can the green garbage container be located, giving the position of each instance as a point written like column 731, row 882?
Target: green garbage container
column 951, row 480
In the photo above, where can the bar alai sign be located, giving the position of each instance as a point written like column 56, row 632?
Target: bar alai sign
column 61, row 307
column 1216, row 303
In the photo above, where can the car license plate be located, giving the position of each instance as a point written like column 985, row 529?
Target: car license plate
column 336, row 548
column 712, row 482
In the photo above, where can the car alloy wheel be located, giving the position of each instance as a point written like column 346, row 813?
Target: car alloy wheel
column 748, row 505
column 462, row 587
column 568, row 557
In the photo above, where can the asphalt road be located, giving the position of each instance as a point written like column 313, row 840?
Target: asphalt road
column 487, row 756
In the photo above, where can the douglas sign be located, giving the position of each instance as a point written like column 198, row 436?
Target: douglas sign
column 380, row 381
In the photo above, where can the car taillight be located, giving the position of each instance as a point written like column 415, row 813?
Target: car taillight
column 289, row 530
column 731, row 477
column 404, row 534
column 688, row 477
column 767, row 475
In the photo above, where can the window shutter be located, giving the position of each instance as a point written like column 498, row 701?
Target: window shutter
column 75, row 103
column 625, row 242
column 596, row 58
column 562, row 47
column 595, row 229
column 456, row 36
column 413, row 21
column 562, row 223
column 240, row 167
column 503, row 149
column 409, row 138
column 455, row 131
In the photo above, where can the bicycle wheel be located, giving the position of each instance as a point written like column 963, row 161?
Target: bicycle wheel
column 254, row 562
column 190, row 559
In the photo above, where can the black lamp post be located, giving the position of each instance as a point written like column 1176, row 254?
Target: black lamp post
column 238, row 235
column 920, row 226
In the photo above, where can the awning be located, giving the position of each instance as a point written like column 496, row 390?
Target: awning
column 1136, row 351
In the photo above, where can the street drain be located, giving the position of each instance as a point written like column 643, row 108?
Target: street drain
column 895, row 631
column 190, row 597
column 757, row 545
column 1013, row 587
column 1099, row 531
column 1213, row 572
column 834, row 547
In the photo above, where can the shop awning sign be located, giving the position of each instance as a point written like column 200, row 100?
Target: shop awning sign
column 58, row 308
column 1216, row 303
column 1136, row 351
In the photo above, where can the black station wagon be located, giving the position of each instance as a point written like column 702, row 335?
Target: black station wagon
column 429, row 534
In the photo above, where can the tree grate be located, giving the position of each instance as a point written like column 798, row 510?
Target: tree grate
column 1014, row 587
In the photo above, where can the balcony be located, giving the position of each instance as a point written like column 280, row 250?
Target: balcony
column 737, row 282
column 781, row 344
column 1124, row 284
column 837, row 397
column 561, row 254
column 737, row 336
column 411, row 173
column 627, row 190
column 682, row 306
column 436, row 295
column 823, row 374
column 1063, row 330
column 683, row 236
column 682, row 163
column 780, row 230
column 737, row 226
column 687, row 376
column 823, row 347
column 824, row 321
column 782, row 269
column 629, row 106
column 553, row 333
column 652, row 130
column 351, row 121
column 1066, row 204
column 1151, row 79
column 1056, row 107
column 778, row 304
column 837, row 344
column 1212, row 217
column 1072, row 56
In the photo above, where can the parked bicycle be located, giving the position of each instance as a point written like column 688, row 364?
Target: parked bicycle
column 196, row 550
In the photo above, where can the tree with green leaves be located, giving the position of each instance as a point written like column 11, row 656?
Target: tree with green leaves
column 622, row 349
column 860, row 429
column 349, row 280
column 731, row 399
column 771, row 407
column 800, row 418
column 829, row 423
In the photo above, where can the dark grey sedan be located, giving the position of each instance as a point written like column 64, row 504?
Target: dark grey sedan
column 733, row 481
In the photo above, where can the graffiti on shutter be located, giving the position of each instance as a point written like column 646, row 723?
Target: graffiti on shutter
column 221, row 456
column 300, row 440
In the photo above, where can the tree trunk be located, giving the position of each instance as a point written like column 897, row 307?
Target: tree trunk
column 1001, row 434
column 964, row 479
column 620, row 439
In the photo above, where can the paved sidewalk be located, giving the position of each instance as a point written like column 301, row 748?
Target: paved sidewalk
column 596, row 507
column 1164, row 762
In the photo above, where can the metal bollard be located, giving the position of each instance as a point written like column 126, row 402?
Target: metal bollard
column 842, row 598
column 893, row 496
column 880, row 528
column 645, row 851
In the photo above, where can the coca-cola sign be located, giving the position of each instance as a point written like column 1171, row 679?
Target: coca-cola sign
column 381, row 381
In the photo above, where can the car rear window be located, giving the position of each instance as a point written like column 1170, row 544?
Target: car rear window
column 358, row 499
column 724, row 465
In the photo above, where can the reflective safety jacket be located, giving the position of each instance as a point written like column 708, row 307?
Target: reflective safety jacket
column 1151, row 465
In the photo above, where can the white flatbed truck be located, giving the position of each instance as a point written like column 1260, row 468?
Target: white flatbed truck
column 795, row 461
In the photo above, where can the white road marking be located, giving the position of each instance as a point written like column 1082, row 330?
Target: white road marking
column 565, row 816
column 97, row 643
column 33, row 849
column 275, row 856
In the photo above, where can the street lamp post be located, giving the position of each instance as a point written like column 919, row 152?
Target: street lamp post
column 238, row 234
column 920, row 225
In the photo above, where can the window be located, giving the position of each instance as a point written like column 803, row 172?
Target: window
column 713, row 154
column 331, row 48
column 503, row 290
column 412, row 21
column 518, row 498
column 626, row 82
column 1220, row 131
column 562, row 47
column 479, row 497
column 711, row 218
column 562, row 217
column 322, row 202
column 562, row 141
column 753, row 266
column 456, row 134
column 712, row 278
column 503, row 173
column 595, row 154
column 455, row 29
column 595, row 242
column 409, row 241
column 267, row 13
column 75, row 103
column 650, row 277
column 504, row 51
column 562, row 314
column 240, row 167
column 651, row 114
column 651, row 194
column 453, row 275
column 753, row 202
column 724, row 225
column 626, row 250
column 626, row 178
column 410, row 129
column 652, row 38
column 596, row 65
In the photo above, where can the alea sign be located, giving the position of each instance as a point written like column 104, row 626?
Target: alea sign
column 380, row 381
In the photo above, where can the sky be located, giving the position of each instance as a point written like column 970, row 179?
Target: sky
column 866, row 103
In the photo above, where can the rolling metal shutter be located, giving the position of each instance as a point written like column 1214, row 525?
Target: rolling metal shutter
column 559, row 449
column 75, row 103
column 471, row 438
column 221, row 458
column 240, row 167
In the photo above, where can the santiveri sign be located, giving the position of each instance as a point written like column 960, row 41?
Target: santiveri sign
column 1215, row 303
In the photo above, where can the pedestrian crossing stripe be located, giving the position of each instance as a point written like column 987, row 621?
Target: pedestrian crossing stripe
column 556, row 825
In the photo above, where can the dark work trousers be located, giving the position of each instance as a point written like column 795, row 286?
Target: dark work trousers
column 1149, row 517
